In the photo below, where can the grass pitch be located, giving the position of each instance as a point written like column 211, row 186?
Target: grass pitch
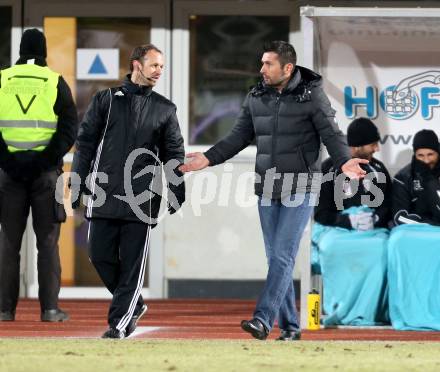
column 183, row 355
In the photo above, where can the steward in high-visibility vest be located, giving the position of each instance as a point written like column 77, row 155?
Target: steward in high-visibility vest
column 38, row 126
column 27, row 97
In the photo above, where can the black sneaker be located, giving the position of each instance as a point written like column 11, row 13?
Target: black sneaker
column 255, row 328
column 289, row 335
column 7, row 316
column 54, row 315
column 113, row 333
column 135, row 319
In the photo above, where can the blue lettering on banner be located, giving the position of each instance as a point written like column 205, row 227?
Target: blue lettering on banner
column 353, row 102
column 427, row 95
column 400, row 101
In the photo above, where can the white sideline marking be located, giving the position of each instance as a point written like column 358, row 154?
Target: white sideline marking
column 142, row 330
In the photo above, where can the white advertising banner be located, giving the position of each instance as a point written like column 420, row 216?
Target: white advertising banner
column 387, row 70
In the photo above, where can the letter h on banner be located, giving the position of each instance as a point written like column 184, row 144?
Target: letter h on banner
column 352, row 102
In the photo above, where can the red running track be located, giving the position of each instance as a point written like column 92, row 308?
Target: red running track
column 183, row 319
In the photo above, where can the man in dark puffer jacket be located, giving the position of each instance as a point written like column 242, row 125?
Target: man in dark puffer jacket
column 126, row 135
column 288, row 114
column 416, row 187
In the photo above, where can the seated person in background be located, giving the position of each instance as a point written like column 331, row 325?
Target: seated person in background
column 363, row 138
column 349, row 246
column 413, row 259
column 416, row 187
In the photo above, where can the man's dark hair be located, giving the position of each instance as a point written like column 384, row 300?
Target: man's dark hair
column 286, row 52
column 141, row 51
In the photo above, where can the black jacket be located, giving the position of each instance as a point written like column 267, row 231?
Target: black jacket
column 416, row 194
column 117, row 122
column 288, row 128
column 328, row 211
column 23, row 163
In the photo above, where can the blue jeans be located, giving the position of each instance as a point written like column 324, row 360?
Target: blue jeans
column 283, row 226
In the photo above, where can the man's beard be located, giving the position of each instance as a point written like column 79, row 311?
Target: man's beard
column 364, row 155
column 278, row 83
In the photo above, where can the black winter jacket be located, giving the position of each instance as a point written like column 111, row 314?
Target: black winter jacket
column 416, row 194
column 288, row 128
column 328, row 211
column 51, row 157
column 129, row 126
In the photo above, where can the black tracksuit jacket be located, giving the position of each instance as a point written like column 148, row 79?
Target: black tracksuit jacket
column 118, row 122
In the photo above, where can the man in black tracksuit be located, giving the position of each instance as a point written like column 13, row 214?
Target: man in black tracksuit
column 288, row 115
column 126, row 135
column 374, row 190
column 416, row 187
column 28, row 178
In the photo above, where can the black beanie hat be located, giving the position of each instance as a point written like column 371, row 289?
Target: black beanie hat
column 33, row 44
column 426, row 139
column 362, row 131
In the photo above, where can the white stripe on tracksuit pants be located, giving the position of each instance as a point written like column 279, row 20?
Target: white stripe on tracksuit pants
column 129, row 314
column 119, row 251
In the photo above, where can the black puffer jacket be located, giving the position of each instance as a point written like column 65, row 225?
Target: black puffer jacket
column 288, row 128
column 416, row 194
column 138, row 120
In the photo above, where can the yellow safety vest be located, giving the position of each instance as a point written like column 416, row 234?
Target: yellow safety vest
column 27, row 96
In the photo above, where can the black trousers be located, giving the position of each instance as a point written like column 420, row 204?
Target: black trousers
column 118, row 249
column 16, row 199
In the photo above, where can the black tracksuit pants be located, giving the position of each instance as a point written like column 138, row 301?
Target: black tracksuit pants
column 118, row 249
column 16, row 200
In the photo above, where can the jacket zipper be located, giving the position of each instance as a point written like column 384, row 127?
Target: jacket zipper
column 275, row 129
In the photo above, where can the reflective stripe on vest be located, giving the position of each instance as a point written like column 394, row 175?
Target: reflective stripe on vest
column 28, row 124
column 27, row 145
column 27, row 96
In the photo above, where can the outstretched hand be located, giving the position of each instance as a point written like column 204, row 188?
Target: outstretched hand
column 198, row 161
column 352, row 168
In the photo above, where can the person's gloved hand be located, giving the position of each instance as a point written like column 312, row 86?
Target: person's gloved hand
column 175, row 201
column 31, row 166
column 362, row 221
column 9, row 166
column 75, row 202
column 22, row 166
column 77, row 191
column 42, row 161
